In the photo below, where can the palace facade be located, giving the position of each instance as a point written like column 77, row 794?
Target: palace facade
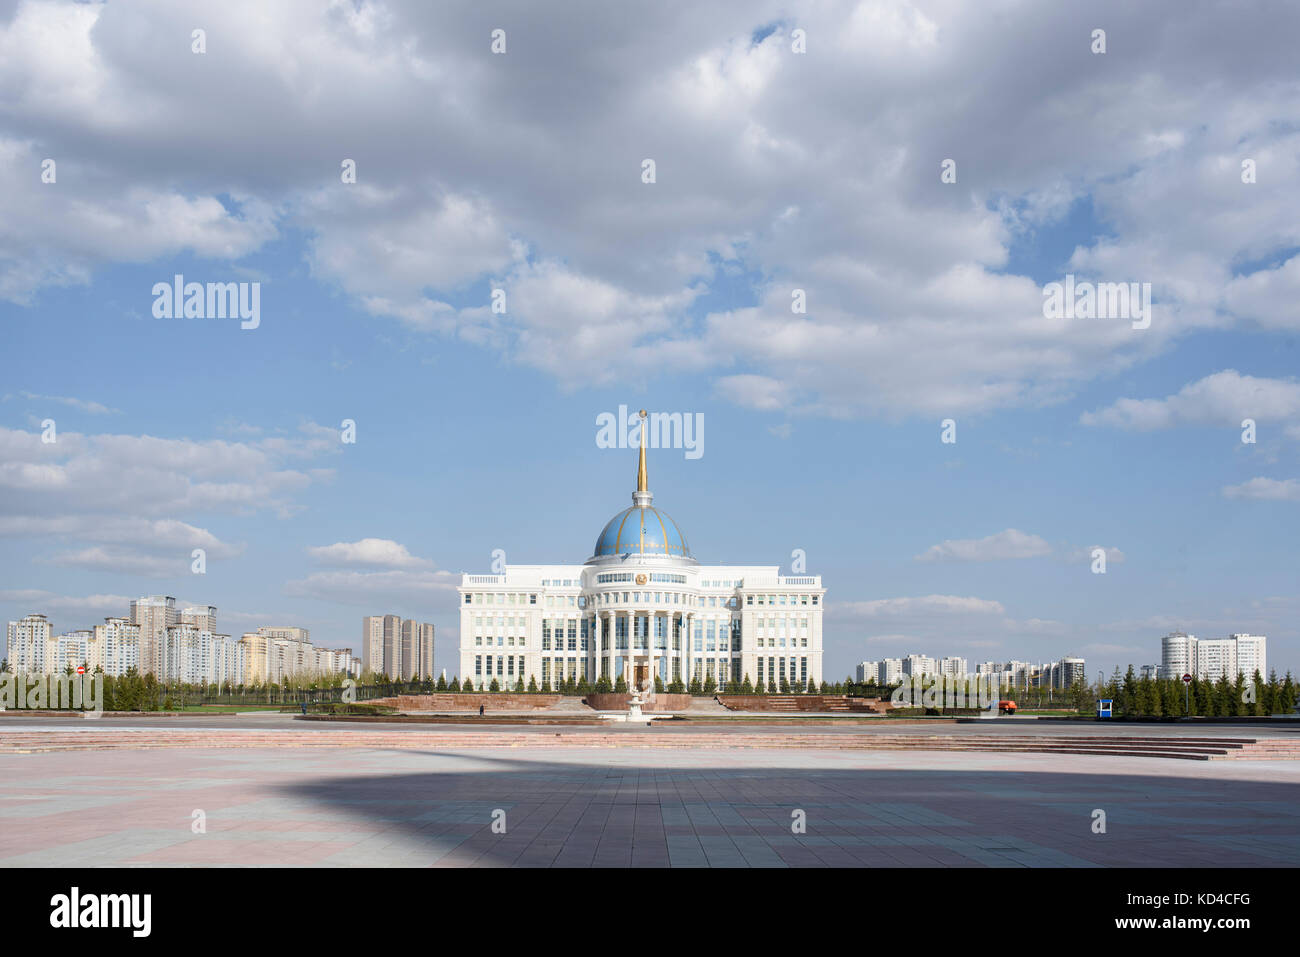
column 641, row 607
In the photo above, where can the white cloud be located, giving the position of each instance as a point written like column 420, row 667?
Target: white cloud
column 1222, row 399
column 124, row 561
column 523, row 171
column 413, row 590
column 1009, row 543
column 755, row 392
column 927, row 604
column 1265, row 490
column 147, row 475
column 81, row 405
column 78, row 607
column 368, row 551
column 108, row 500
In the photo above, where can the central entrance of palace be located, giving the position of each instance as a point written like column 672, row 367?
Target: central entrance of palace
column 640, row 675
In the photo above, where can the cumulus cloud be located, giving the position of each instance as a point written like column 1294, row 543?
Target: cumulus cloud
column 817, row 172
column 1009, row 543
column 1265, row 490
column 127, row 561
column 152, row 476
column 368, row 551
column 927, row 604
column 407, row 589
column 755, row 391
column 66, row 608
column 1222, row 399
column 374, row 572
column 108, row 502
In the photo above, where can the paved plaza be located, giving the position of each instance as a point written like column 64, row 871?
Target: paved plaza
column 343, row 807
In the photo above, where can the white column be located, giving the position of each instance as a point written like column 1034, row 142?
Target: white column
column 685, row 652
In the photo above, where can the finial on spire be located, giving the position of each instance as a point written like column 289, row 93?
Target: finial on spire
column 642, row 496
column 642, row 482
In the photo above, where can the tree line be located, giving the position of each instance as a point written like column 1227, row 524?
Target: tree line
column 1132, row 696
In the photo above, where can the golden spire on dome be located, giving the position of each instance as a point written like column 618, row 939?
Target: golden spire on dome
column 642, row 482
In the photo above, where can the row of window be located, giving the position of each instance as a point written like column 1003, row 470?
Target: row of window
column 721, row 669
column 667, row 578
column 713, row 642
column 780, row 599
column 772, row 642
column 784, row 624
column 714, row 601
column 776, row 669
column 499, row 598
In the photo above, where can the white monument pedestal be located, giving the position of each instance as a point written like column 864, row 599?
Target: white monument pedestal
column 634, row 713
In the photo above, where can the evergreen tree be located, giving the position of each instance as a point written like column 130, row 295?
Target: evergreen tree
column 532, row 684
column 659, row 685
column 1239, row 704
column 746, row 686
column 1142, row 697
column 620, row 685
column 148, row 697
column 1128, row 693
column 1224, row 705
column 455, row 684
column 696, row 688
column 785, row 685
column 1286, row 694
column 1202, row 702
column 442, row 683
column 710, row 685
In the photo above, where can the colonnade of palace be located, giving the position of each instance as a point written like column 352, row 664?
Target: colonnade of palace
column 644, row 640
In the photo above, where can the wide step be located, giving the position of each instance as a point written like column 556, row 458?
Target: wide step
column 1187, row 748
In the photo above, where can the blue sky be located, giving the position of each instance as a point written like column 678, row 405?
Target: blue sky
column 775, row 171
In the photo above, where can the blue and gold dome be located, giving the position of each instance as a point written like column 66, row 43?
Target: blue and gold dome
column 642, row 529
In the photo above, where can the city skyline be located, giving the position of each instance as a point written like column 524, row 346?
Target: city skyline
column 855, row 295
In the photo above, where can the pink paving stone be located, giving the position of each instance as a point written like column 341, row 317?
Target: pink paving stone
column 579, row 806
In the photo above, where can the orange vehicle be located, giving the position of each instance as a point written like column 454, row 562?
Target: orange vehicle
column 1006, row 707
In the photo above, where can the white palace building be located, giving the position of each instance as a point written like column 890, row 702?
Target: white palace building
column 640, row 607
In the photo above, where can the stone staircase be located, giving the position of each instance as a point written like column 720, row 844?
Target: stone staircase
column 705, row 706
column 1194, row 748
column 796, row 704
